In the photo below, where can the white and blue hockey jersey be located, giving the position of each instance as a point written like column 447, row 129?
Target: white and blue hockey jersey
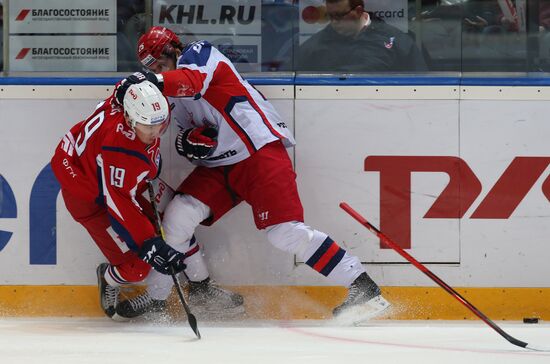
column 206, row 89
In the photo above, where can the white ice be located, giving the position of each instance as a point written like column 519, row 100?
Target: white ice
column 101, row 341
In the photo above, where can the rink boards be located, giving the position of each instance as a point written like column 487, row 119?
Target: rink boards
column 456, row 173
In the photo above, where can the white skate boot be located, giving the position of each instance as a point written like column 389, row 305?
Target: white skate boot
column 364, row 302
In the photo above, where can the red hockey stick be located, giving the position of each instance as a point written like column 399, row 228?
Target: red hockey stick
column 435, row 278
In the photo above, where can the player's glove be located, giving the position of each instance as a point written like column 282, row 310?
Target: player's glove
column 161, row 256
column 137, row 77
column 197, row 143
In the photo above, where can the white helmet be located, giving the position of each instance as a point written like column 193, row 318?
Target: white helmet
column 145, row 104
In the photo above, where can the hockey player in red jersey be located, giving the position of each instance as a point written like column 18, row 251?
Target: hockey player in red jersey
column 237, row 140
column 103, row 165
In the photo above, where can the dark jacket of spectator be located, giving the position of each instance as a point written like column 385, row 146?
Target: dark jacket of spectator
column 377, row 47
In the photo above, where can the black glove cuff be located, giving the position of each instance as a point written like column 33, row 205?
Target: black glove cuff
column 157, row 80
column 180, row 142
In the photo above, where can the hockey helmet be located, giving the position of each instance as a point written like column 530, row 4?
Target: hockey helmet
column 145, row 104
column 156, row 42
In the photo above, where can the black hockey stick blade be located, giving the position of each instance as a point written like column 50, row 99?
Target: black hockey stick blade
column 389, row 242
column 191, row 319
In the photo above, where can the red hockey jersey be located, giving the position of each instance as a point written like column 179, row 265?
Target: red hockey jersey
column 101, row 159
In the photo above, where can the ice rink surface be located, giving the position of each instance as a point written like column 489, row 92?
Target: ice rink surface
column 99, row 340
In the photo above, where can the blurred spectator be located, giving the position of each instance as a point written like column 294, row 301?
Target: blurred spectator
column 354, row 41
column 130, row 25
column 490, row 16
column 480, row 15
column 544, row 35
column 280, row 34
column 476, row 15
column 490, row 38
column 473, row 36
column 544, row 15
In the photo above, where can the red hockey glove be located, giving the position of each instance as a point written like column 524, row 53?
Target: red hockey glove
column 197, row 143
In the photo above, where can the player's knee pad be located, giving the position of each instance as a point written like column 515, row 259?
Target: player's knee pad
column 293, row 237
column 182, row 215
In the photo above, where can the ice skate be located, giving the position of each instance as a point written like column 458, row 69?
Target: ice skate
column 138, row 306
column 108, row 295
column 208, row 298
column 364, row 301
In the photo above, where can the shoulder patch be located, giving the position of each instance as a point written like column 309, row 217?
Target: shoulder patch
column 196, row 53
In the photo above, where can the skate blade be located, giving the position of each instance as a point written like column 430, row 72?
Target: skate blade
column 116, row 317
column 359, row 314
column 218, row 315
column 155, row 317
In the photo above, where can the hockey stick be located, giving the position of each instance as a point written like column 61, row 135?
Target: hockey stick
column 435, row 278
column 190, row 317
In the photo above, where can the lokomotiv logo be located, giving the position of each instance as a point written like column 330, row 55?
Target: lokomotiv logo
column 458, row 196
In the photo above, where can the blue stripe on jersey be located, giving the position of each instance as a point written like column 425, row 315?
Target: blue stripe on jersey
column 132, row 153
column 100, row 200
column 333, row 262
column 193, row 241
column 123, row 233
column 196, row 53
column 230, row 105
